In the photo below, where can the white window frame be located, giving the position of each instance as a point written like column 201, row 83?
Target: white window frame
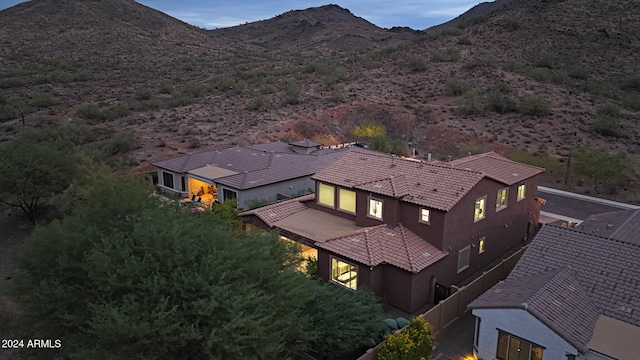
column 483, row 210
column 522, row 185
column 369, row 209
column 421, row 214
column 506, row 199
column 349, row 281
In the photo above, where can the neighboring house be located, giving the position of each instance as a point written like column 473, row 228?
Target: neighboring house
column 408, row 230
column 261, row 172
column 572, row 295
column 621, row 225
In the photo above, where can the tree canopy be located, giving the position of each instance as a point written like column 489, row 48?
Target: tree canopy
column 600, row 165
column 122, row 277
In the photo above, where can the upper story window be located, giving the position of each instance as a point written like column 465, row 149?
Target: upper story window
column 167, row 179
column 347, row 200
column 481, row 245
column 326, row 195
column 501, row 199
column 375, row 208
column 425, row 216
column 521, row 191
column 463, row 258
column 479, row 212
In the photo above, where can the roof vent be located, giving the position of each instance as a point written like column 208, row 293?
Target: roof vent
column 355, row 240
column 514, row 174
column 426, row 254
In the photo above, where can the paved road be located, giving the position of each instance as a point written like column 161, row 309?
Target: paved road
column 575, row 207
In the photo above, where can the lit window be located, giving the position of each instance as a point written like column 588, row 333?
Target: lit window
column 479, row 210
column 501, row 199
column 347, row 200
column 463, row 258
column 481, row 246
column 514, row 348
column 425, row 216
column 375, row 208
column 521, row 191
column 344, row 273
column 167, row 179
column 326, row 195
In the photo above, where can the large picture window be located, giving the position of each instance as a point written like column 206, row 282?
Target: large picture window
column 347, row 200
column 326, row 195
column 229, row 194
column 521, row 191
column 344, row 273
column 501, row 199
column 479, row 212
column 514, row 348
column 375, row 208
column 167, row 179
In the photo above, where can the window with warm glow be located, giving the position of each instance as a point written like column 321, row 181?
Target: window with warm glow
column 326, row 195
column 481, row 246
column 521, row 191
column 347, row 200
column 501, row 199
column 463, row 258
column 425, row 216
column 479, row 209
column 514, row 348
column 375, row 208
column 344, row 273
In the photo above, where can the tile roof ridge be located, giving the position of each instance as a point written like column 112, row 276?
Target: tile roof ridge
column 368, row 246
column 406, row 248
column 558, row 272
column 624, row 223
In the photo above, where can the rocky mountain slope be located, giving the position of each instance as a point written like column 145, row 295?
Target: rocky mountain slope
column 526, row 77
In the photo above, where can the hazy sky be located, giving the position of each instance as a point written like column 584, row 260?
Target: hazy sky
column 416, row 14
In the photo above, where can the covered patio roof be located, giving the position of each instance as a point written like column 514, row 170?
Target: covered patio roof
column 211, row 172
column 317, row 225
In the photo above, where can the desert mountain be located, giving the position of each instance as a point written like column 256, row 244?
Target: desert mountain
column 525, row 77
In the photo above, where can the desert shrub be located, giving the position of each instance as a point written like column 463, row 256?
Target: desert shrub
column 337, row 95
column 456, row 86
column 193, row 89
column 631, row 101
column 115, row 145
column 165, row 88
column 511, row 24
column 195, row 143
column 452, row 31
column 365, row 61
column 464, row 40
column 534, row 105
column 91, row 111
column 414, row 342
column 256, row 203
column 257, row 103
column 11, row 82
column 609, row 110
column 607, row 126
column 540, row 74
column 482, row 61
column 417, row 63
column 501, row 102
column 578, row 73
column 227, row 84
column 472, row 103
column 117, row 111
column 10, row 107
column 44, row 100
column 545, row 59
column 291, row 93
column 632, row 82
column 450, row 54
column 143, row 93
column 542, row 160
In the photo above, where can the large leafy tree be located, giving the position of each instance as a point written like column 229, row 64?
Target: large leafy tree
column 122, row 277
column 600, row 165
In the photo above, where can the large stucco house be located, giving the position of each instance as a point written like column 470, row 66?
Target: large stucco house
column 408, row 230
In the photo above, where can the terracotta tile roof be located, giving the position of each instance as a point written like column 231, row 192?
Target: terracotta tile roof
column 497, row 167
column 270, row 214
column 608, row 271
column 381, row 244
column 432, row 185
column 622, row 225
column 254, row 166
column 554, row 297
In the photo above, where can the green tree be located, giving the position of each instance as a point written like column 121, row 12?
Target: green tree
column 600, row 165
column 34, row 167
column 122, row 277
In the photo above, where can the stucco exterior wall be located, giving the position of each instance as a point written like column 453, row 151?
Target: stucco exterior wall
column 520, row 323
column 270, row 192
